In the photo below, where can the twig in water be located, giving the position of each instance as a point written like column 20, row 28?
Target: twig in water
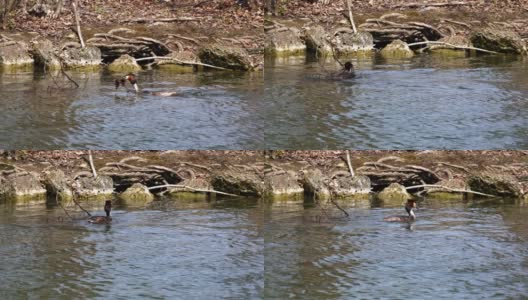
column 339, row 207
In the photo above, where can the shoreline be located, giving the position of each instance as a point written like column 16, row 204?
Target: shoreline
column 272, row 175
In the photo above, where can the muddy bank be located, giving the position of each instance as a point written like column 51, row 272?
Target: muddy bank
column 144, row 176
column 186, row 37
column 397, row 29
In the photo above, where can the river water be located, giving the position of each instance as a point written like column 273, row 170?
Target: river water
column 215, row 110
column 427, row 102
column 251, row 250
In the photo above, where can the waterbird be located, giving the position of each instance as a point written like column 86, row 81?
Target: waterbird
column 133, row 81
column 103, row 219
column 347, row 72
column 410, row 206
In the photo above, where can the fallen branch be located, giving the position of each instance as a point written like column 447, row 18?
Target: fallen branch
column 179, row 61
column 90, row 160
column 449, row 189
column 453, row 166
column 184, row 38
column 349, row 164
column 350, row 16
column 441, row 4
column 451, row 46
column 145, row 20
column 77, row 22
column 190, row 188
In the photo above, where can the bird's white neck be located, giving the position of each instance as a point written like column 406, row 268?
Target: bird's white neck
column 136, row 87
column 411, row 214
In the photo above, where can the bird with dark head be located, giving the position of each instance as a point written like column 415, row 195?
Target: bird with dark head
column 410, row 206
column 133, row 81
column 103, row 219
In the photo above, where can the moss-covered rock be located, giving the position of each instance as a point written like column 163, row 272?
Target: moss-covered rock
column 353, row 43
column 57, row 185
column 395, row 193
column 397, row 49
column 125, row 63
column 92, row 188
column 498, row 39
column 347, row 186
column 23, row 187
column 137, row 194
column 285, row 42
column 315, row 186
column 444, row 194
column 15, row 54
column 175, row 66
column 239, row 184
column 82, row 58
column 487, row 182
column 316, row 39
column 283, row 187
column 45, row 55
column 190, row 194
column 234, row 58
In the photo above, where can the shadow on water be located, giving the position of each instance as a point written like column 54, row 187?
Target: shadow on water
column 426, row 102
column 216, row 110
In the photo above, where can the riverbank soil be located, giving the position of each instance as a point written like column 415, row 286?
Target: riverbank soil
column 512, row 13
column 185, row 25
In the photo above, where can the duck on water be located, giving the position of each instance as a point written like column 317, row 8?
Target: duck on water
column 133, row 81
column 103, row 219
column 410, row 206
column 347, row 72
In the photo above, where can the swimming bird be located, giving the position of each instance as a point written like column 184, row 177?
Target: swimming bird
column 103, row 219
column 410, row 206
column 347, row 72
column 133, row 81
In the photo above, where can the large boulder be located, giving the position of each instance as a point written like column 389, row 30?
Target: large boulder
column 125, row 63
column 174, row 64
column 286, row 41
column 45, row 55
column 497, row 184
column 395, row 193
column 100, row 187
column 23, row 186
column 191, row 189
column 234, row 58
column 239, row 184
column 351, row 43
column 283, row 186
column 498, row 39
column 87, row 58
column 316, row 39
column 137, row 194
column 347, row 186
column 441, row 193
column 57, row 185
column 315, row 186
column 397, row 49
column 15, row 54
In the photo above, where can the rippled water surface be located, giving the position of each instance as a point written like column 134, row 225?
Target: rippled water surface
column 427, row 102
column 215, row 110
column 203, row 252
column 455, row 250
